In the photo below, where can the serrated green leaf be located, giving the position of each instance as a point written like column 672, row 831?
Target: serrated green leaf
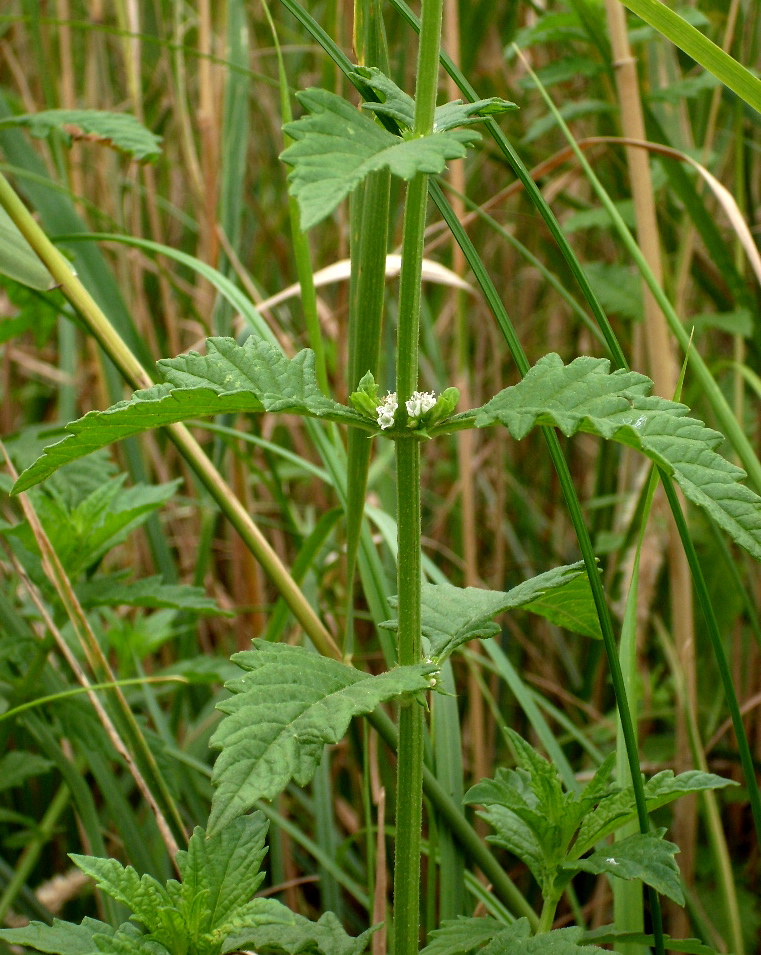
column 121, row 131
column 265, row 746
column 115, row 591
column 645, row 856
column 513, row 833
column 608, row 935
column 61, row 938
column 451, row 616
column 143, row 895
column 571, row 606
column 400, row 106
column 563, row 941
column 230, row 378
column 462, row 935
column 620, row 807
column 324, row 937
column 18, row 259
column 124, row 943
column 336, row 146
column 224, row 870
column 586, row 396
column 82, row 534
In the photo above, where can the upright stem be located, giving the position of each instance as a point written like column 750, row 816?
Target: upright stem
column 411, row 725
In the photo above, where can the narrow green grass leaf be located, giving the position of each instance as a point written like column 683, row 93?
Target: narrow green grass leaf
column 230, row 378
column 452, row 615
column 700, row 48
column 586, row 396
column 264, row 747
column 335, row 147
column 121, row 131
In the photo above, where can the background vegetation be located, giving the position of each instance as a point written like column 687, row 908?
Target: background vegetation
column 205, row 78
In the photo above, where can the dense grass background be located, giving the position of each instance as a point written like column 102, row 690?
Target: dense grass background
column 204, row 77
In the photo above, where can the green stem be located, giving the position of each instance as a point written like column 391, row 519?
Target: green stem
column 411, row 727
column 548, row 914
column 31, row 853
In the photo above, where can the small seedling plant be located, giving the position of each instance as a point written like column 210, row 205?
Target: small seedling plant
column 289, row 703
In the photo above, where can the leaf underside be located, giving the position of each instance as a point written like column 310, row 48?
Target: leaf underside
column 586, row 396
column 452, row 615
column 229, row 378
column 264, row 746
column 121, row 131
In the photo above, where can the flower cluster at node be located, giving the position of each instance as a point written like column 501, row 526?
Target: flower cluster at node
column 420, row 403
column 386, row 410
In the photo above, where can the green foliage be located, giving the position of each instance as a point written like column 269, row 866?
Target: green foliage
column 586, row 396
column 452, row 616
column 17, row 258
column 211, row 911
column 82, row 528
column 230, row 378
column 551, row 830
column 121, row 131
column 400, row 106
column 265, row 746
column 644, row 856
column 115, row 590
column 487, row 936
column 35, row 313
column 607, row 934
column 571, row 607
column 335, row 147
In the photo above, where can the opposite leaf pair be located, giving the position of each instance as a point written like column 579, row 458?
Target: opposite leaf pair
column 552, row 831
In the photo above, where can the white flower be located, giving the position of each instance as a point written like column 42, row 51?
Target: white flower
column 386, row 410
column 420, row 403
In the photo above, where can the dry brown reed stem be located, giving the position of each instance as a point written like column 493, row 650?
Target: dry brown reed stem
column 88, row 641
column 664, row 372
